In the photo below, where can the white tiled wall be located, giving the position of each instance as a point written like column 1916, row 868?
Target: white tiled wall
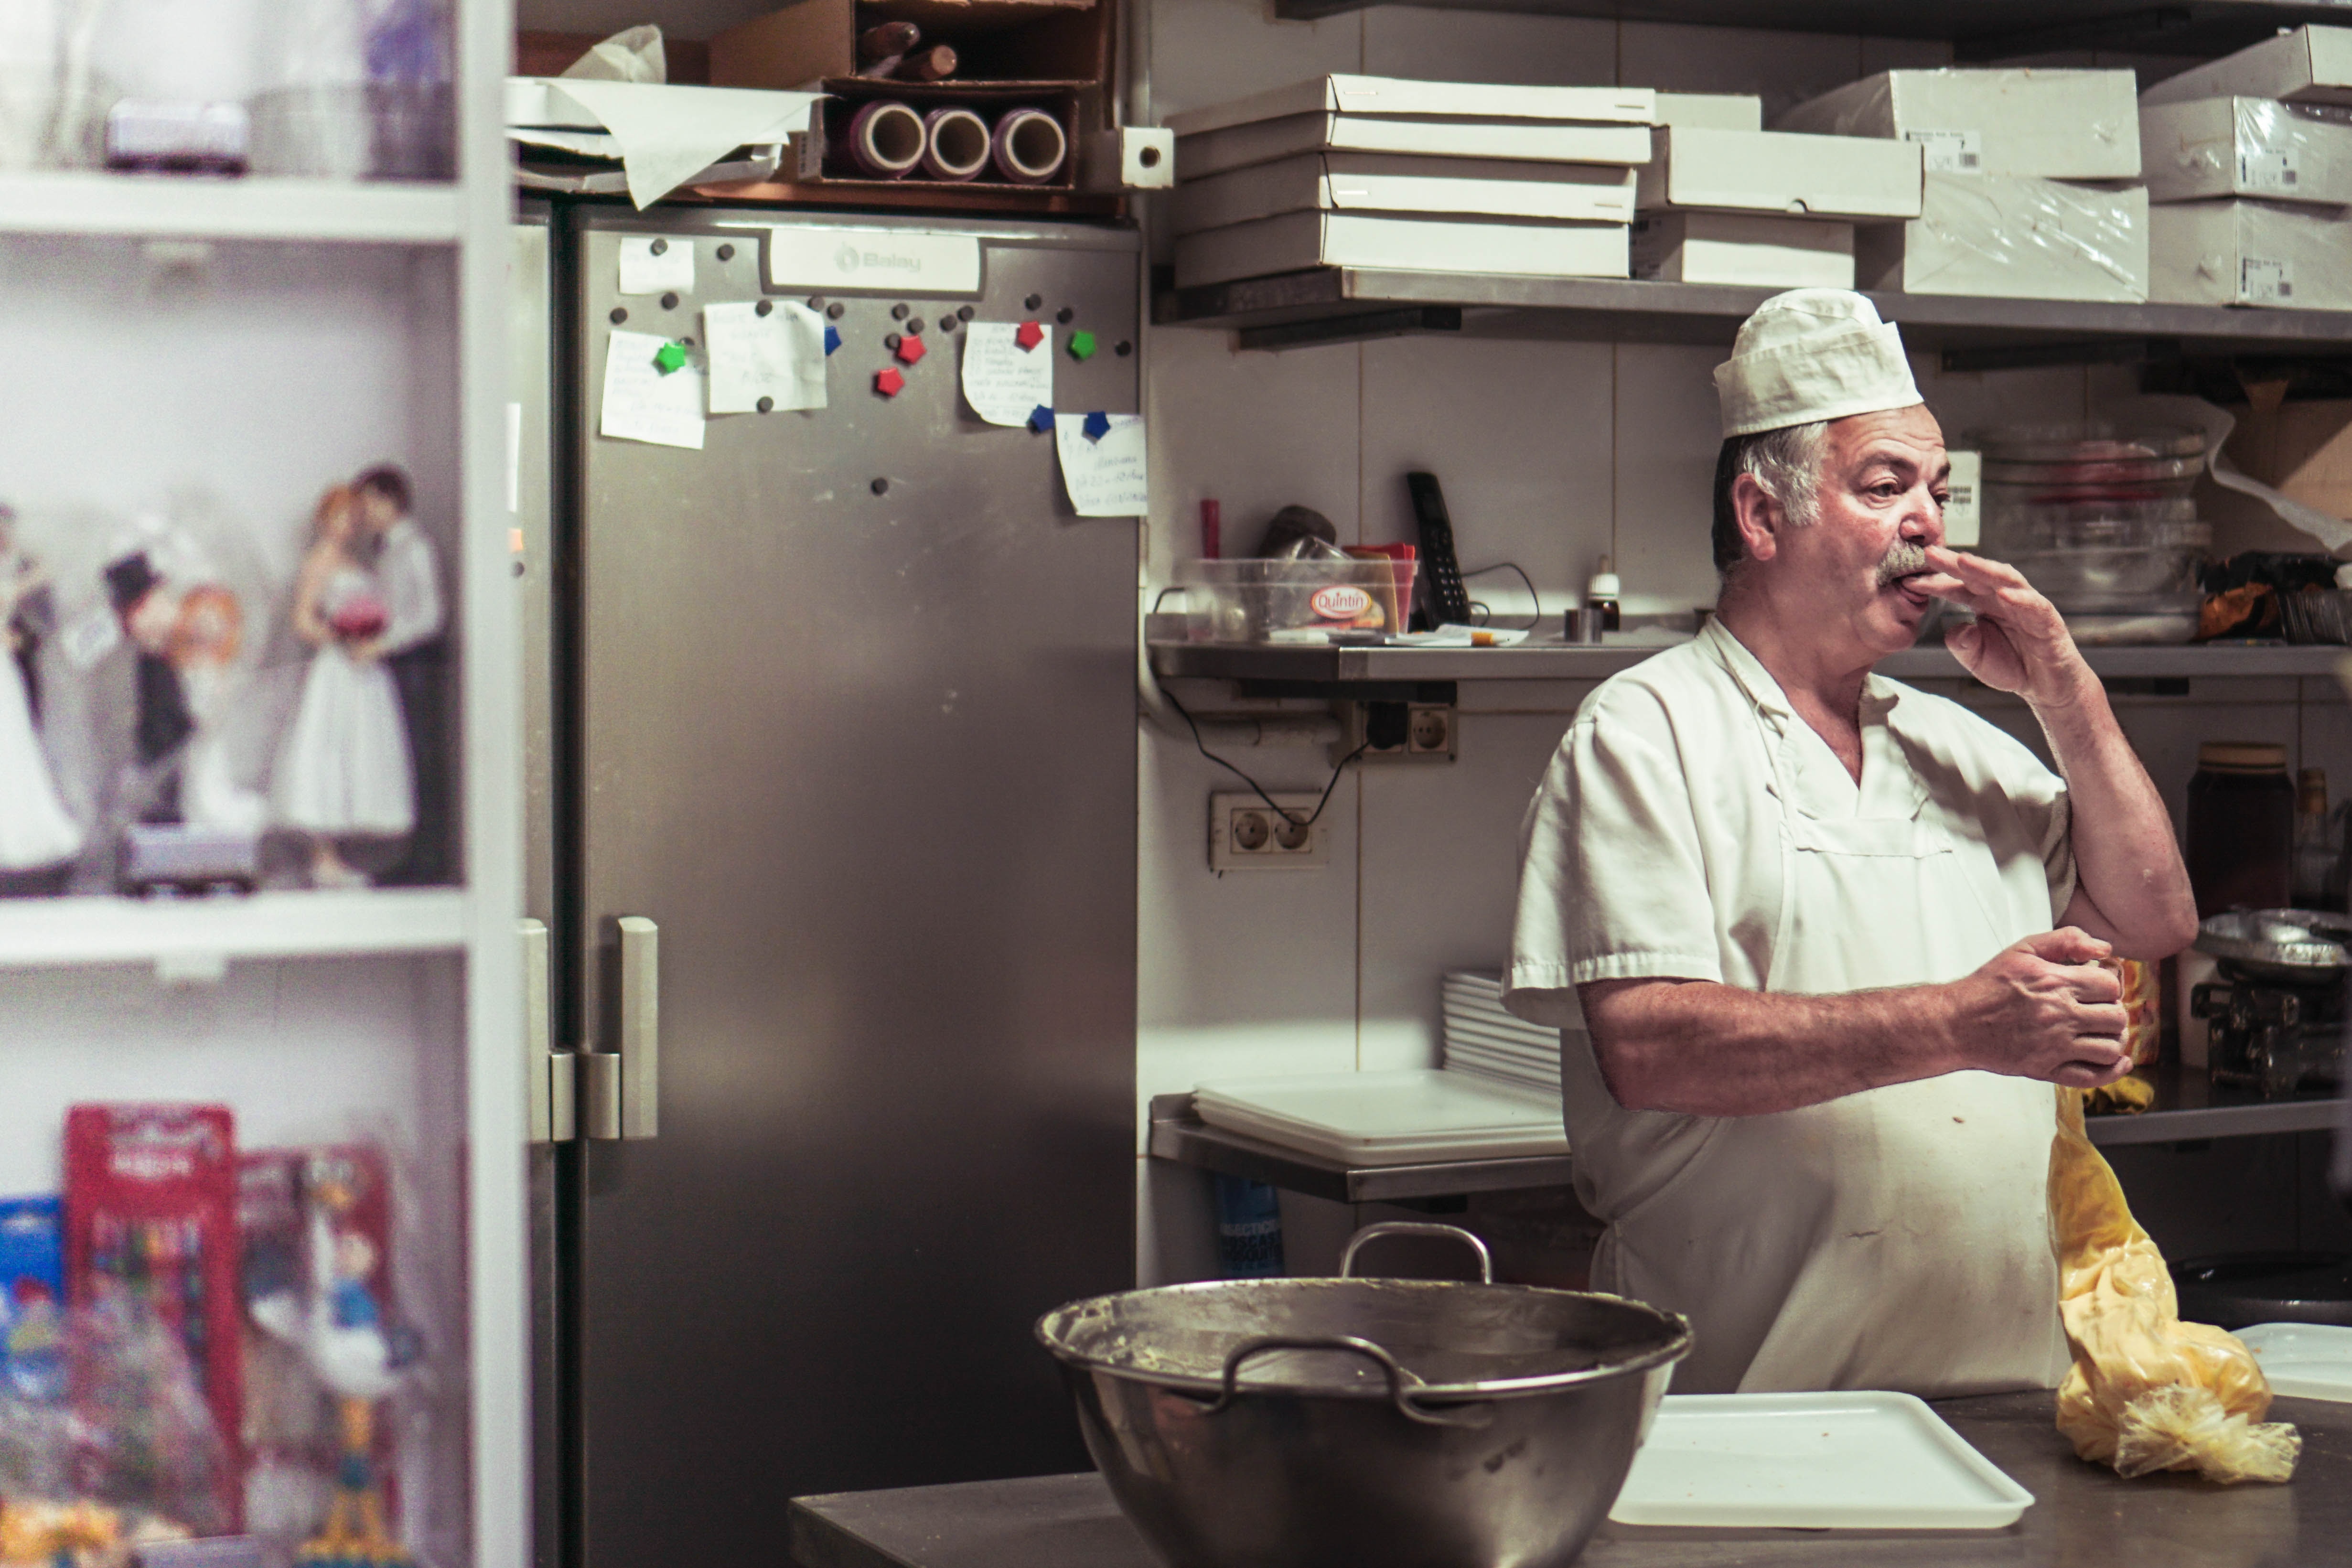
column 1552, row 454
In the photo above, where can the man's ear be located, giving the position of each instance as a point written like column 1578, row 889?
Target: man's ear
column 1759, row 516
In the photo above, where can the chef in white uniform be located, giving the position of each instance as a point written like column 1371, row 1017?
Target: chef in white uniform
column 1834, row 938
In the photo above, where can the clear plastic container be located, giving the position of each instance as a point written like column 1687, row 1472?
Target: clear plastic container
column 1293, row 601
column 2111, row 580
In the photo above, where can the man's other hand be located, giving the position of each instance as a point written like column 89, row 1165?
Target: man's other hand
column 2044, row 1008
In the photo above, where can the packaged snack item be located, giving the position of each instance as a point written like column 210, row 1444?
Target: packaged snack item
column 32, row 1299
column 152, row 1246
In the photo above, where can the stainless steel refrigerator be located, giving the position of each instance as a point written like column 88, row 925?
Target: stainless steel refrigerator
column 834, row 755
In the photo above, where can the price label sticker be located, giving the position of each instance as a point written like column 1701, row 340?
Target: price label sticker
column 2270, row 169
column 1949, row 152
column 2261, row 282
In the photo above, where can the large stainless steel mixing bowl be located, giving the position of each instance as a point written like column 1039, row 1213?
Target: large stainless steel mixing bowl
column 1355, row 1422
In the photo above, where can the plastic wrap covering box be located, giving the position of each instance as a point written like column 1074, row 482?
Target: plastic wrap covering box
column 1768, row 172
column 2310, row 65
column 1297, row 241
column 1403, row 182
column 2010, row 237
column 2246, row 147
column 1744, row 247
column 2250, row 253
column 2053, row 124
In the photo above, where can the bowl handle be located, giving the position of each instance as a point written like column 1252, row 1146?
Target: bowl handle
column 1458, row 1415
column 1416, row 1227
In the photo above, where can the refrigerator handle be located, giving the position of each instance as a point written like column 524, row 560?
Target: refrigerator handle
column 624, row 1086
column 549, row 1080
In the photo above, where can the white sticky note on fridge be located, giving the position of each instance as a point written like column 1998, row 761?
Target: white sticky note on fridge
column 641, row 404
column 1003, row 382
column 779, row 356
column 656, row 263
column 1106, row 476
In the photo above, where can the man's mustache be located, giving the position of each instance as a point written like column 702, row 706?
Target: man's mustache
column 1906, row 559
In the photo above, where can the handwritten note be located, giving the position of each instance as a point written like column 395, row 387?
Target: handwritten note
column 1002, row 379
column 645, row 270
column 641, row 404
column 1106, row 476
column 779, row 356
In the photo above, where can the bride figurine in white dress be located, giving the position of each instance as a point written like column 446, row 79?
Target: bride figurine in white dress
column 343, row 771
column 35, row 831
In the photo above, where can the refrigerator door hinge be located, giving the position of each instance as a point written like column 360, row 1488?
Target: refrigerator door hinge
column 549, row 1084
column 620, row 1089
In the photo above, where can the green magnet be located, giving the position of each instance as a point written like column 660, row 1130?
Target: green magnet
column 670, row 357
column 1082, row 345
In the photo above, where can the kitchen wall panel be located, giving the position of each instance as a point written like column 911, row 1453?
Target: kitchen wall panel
column 1485, row 46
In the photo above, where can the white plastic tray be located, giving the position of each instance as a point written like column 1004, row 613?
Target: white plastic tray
column 2303, row 1361
column 1387, row 1117
column 1812, row 1461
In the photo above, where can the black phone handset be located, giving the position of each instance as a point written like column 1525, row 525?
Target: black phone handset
column 1441, row 569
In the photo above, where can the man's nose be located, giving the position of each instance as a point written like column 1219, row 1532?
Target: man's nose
column 1923, row 517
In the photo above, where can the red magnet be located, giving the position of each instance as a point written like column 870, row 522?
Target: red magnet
column 910, row 349
column 888, row 382
column 1029, row 334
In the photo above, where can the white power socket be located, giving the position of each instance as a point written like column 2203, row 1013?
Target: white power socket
column 1246, row 835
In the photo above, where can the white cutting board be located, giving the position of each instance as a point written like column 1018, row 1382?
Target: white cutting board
column 1861, row 1460
column 2303, row 1361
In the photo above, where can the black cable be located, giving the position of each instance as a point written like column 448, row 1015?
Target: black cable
column 1533, row 621
column 1161, row 597
column 1260, row 789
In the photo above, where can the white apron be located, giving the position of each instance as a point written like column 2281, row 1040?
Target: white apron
column 1896, row 1238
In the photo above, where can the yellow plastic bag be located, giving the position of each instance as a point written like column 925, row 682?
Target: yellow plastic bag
column 2147, row 1391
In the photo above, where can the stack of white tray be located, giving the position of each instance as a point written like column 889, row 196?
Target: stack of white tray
column 1418, row 1115
column 1380, row 172
column 1484, row 1041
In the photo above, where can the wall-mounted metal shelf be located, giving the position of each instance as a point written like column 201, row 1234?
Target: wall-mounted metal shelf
column 2188, row 1108
column 1346, row 667
column 1332, row 304
column 1978, row 30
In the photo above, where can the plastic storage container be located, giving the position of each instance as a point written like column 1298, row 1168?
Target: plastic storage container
column 1293, row 601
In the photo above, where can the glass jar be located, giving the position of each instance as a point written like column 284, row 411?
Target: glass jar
column 2241, row 848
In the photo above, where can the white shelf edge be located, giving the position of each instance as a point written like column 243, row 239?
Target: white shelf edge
column 63, row 202
column 47, row 932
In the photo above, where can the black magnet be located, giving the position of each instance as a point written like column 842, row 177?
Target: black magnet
column 619, row 315
column 964, row 313
column 1064, row 315
column 915, row 326
column 767, row 405
column 726, row 253
column 659, row 247
column 880, row 487
column 1124, row 347
column 669, row 302
column 1032, row 302
column 890, row 341
column 898, row 312
column 763, row 308
column 833, row 311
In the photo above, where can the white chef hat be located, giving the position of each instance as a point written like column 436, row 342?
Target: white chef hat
column 1809, row 354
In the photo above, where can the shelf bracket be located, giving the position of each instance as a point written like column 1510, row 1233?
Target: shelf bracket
column 1353, row 329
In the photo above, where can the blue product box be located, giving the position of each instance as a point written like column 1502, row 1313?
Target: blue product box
column 32, row 1299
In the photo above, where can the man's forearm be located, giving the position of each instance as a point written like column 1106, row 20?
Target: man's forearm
column 1707, row 1049
column 2126, row 859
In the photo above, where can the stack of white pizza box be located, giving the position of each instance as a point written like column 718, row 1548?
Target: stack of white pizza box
column 1421, row 177
column 1723, row 200
column 2031, row 185
column 2250, row 168
column 1485, row 1041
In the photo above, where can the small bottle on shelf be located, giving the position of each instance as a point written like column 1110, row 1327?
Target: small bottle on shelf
column 1601, row 595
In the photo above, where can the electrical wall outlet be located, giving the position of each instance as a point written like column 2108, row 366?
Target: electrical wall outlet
column 1398, row 731
column 1247, row 835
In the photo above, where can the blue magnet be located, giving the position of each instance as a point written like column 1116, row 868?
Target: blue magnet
column 1098, row 426
column 832, row 340
column 1040, row 419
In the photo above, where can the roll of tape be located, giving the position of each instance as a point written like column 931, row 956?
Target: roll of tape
column 955, row 144
column 887, row 140
column 1029, row 146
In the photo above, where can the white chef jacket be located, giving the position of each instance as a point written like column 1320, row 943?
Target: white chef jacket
column 1666, row 842
column 412, row 588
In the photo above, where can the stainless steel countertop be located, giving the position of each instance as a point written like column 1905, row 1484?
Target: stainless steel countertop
column 2084, row 1515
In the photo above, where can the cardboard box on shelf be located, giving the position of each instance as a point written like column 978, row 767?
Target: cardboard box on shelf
column 811, row 41
column 1743, row 247
column 2246, row 147
column 1404, row 183
column 1295, row 241
column 2052, row 124
column 2300, row 448
column 2310, row 65
column 1773, row 171
column 2012, row 237
column 1206, row 152
column 2250, row 253
column 1712, row 111
column 1400, row 98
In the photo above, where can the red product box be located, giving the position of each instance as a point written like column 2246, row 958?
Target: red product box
column 151, row 1217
